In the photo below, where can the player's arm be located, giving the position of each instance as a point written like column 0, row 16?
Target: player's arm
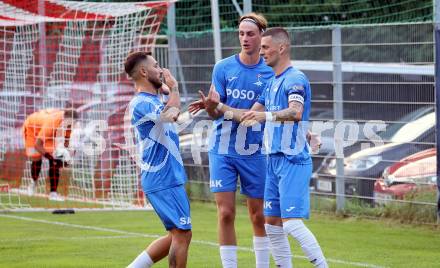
column 39, row 143
column 212, row 102
column 172, row 108
column 39, row 146
column 202, row 104
column 293, row 113
column 236, row 114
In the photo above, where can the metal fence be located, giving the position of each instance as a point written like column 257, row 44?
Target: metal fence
column 372, row 86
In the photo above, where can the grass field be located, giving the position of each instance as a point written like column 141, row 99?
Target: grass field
column 113, row 239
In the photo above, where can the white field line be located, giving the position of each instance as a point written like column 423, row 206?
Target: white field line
column 43, row 239
column 124, row 234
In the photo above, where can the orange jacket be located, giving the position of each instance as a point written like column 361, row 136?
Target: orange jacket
column 45, row 125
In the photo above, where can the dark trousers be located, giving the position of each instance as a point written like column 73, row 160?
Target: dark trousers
column 54, row 172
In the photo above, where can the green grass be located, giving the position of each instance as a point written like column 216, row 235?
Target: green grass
column 25, row 242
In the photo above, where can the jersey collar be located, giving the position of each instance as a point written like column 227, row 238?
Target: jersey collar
column 281, row 74
column 237, row 58
column 146, row 94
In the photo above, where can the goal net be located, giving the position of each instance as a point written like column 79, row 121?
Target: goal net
column 69, row 55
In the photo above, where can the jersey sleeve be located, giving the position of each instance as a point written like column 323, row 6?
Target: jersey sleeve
column 295, row 89
column 219, row 81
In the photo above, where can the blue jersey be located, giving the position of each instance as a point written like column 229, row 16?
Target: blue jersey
column 158, row 145
column 288, row 138
column 239, row 86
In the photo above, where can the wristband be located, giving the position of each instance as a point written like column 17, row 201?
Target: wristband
column 270, row 117
column 219, row 106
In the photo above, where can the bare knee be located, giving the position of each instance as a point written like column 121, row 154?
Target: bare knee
column 182, row 237
column 226, row 214
column 255, row 208
column 257, row 217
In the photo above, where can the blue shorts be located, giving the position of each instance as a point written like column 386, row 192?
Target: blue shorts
column 224, row 171
column 172, row 207
column 287, row 192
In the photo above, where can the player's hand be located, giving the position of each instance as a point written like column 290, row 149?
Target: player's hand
column 169, row 79
column 251, row 118
column 165, row 90
column 212, row 100
column 196, row 106
column 314, row 141
column 62, row 156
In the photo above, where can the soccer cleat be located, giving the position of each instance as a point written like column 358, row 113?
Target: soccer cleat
column 53, row 196
column 31, row 188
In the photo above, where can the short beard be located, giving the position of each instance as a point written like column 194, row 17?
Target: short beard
column 156, row 83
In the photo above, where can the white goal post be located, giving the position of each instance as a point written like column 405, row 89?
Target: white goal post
column 66, row 54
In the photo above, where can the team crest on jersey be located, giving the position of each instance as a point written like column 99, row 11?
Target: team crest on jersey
column 298, row 87
column 258, row 83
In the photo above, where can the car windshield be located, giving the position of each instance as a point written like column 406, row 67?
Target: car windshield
column 392, row 129
column 412, row 130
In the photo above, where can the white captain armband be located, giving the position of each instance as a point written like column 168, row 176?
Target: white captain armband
column 296, row 97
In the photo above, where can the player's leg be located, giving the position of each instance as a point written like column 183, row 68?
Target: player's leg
column 180, row 219
column 260, row 240
column 252, row 177
column 173, row 208
column 226, row 229
column 54, row 177
column 159, row 248
column 36, row 169
column 33, row 155
column 178, row 254
column 279, row 243
column 35, row 174
column 156, row 251
column 295, row 206
column 223, row 183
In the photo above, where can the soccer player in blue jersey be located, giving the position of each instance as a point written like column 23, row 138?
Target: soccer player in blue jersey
column 162, row 173
column 287, row 103
column 284, row 107
column 235, row 151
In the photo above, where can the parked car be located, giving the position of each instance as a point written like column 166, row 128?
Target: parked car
column 415, row 173
column 362, row 167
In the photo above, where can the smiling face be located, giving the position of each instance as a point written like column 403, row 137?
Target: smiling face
column 270, row 51
column 250, row 37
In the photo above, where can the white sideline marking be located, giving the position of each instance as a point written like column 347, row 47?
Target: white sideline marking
column 68, row 238
column 134, row 234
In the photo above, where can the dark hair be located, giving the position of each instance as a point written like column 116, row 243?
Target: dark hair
column 278, row 33
column 70, row 113
column 133, row 59
column 256, row 18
